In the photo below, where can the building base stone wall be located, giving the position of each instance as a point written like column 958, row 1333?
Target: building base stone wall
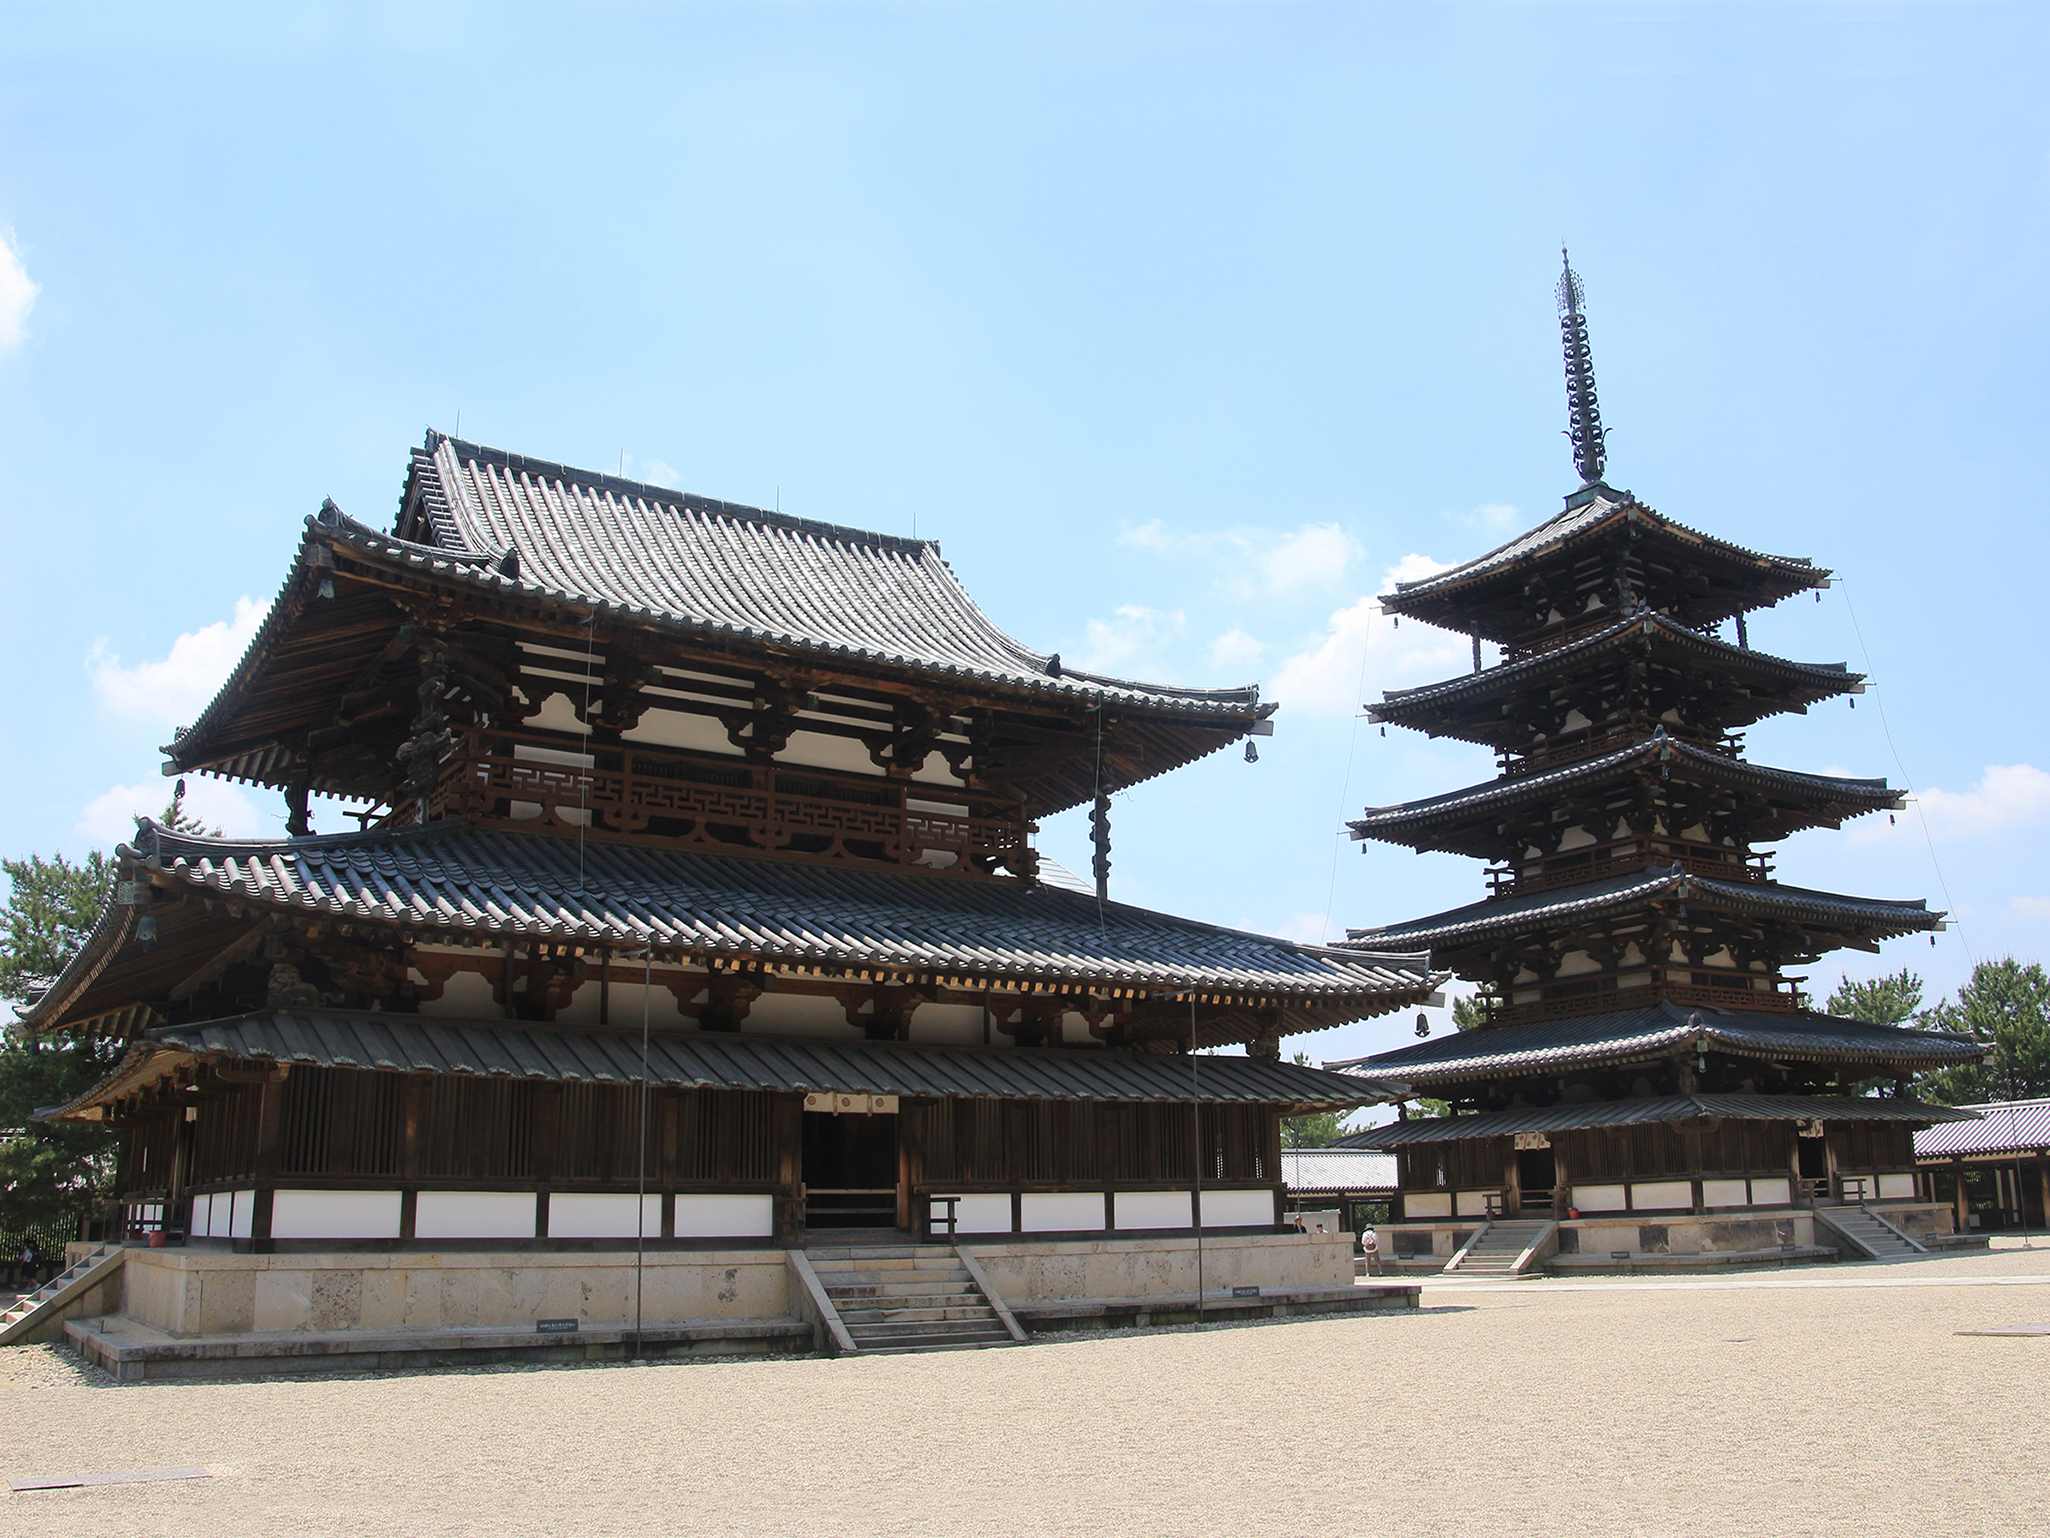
column 1120, row 1269
column 1662, row 1240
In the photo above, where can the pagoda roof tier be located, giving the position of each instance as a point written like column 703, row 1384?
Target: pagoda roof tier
column 379, row 1042
column 573, row 557
column 447, row 883
column 1515, row 591
column 1854, row 919
column 1472, row 821
column 1630, row 1113
column 1645, row 665
column 1658, row 1031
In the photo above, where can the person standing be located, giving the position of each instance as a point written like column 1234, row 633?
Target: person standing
column 31, row 1267
column 1370, row 1246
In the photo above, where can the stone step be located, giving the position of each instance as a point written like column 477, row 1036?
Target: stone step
column 832, row 1253
column 941, row 1287
column 926, row 1329
column 853, row 1317
column 910, row 1342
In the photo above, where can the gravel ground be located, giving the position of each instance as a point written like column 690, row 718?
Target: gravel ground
column 1831, row 1401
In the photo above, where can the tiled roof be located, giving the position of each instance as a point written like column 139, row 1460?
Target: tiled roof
column 2008, row 1126
column 449, row 880
column 719, row 567
column 1805, row 681
column 1337, row 1169
column 1586, row 518
column 361, row 1039
column 1620, row 894
column 1405, row 822
column 1627, row 1113
column 1631, row 1035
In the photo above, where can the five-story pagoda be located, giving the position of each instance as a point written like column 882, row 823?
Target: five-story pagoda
column 1645, row 1049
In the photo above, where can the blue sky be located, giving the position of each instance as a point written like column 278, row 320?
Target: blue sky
column 1180, row 327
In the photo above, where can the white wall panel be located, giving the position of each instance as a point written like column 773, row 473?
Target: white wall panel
column 1155, row 1209
column 1725, row 1193
column 241, row 1214
column 717, row 1217
column 474, row 1215
column 1238, row 1209
column 1772, row 1193
column 1896, row 1187
column 1052, row 1212
column 1474, row 1204
column 601, row 1217
column 1662, row 1193
column 1599, row 1198
column 984, row 1212
column 1429, row 1204
column 334, row 1215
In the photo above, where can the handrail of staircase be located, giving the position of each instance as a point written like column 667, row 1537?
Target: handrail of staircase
column 1898, row 1232
column 87, row 1271
column 821, row 1303
column 1822, row 1216
column 1472, row 1239
column 1530, row 1250
column 990, row 1295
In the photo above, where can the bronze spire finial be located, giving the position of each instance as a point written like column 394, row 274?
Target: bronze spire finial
column 1590, row 448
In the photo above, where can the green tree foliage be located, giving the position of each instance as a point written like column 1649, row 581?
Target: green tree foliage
column 1467, row 1013
column 1892, row 1000
column 2006, row 1005
column 1320, row 1129
column 49, row 1173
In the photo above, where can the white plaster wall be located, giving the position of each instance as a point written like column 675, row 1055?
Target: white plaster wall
column 1896, row 1187
column 335, row 1215
column 1600, row 1198
column 979, row 1213
column 1238, row 1209
column 1061, row 1211
column 720, row 1217
column 1156, row 1209
column 1776, row 1192
column 1427, row 1204
column 1075, row 1032
column 242, row 1215
column 1661, row 1193
column 465, row 996
column 681, row 729
column 583, row 1005
column 595, row 1216
column 1725, row 1193
column 474, row 1215
column 953, row 1024
column 798, row 1014
column 558, row 715
column 818, row 750
column 1474, row 1204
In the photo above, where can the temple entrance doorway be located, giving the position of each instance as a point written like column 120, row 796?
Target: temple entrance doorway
column 850, row 1170
column 1536, row 1174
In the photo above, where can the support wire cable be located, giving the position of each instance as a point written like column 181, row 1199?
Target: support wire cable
column 1345, row 789
column 1196, row 1121
column 1906, row 779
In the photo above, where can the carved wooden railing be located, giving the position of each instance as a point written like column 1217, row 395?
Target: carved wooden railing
column 671, row 796
column 1783, row 999
column 1625, row 856
column 1594, row 741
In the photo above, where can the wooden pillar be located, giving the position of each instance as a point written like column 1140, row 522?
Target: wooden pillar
column 270, row 1118
column 1964, row 1210
column 790, row 1169
column 2043, row 1178
column 1512, row 1177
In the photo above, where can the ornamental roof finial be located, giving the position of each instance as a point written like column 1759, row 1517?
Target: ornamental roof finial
column 1590, row 448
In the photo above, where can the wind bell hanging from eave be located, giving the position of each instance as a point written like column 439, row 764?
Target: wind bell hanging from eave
column 1590, row 445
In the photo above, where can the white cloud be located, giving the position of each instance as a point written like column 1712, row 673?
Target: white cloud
column 1129, row 641
column 2032, row 907
column 17, row 294
column 1362, row 652
column 1494, row 517
column 1236, row 649
column 651, row 471
column 1315, row 554
column 2007, row 796
column 173, row 690
column 1305, row 928
column 109, row 819
column 1256, row 560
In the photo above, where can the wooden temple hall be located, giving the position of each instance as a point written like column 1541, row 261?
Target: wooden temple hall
column 692, row 922
column 1651, row 1081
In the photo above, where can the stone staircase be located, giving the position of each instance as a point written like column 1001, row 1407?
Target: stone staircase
column 1879, row 1240
column 1497, row 1246
column 907, row 1297
column 29, row 1312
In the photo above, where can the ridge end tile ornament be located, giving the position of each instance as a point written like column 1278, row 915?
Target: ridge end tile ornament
column 680, row 812
column 1644, row 1044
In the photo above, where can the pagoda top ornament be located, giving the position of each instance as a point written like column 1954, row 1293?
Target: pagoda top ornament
column 1590, row 441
